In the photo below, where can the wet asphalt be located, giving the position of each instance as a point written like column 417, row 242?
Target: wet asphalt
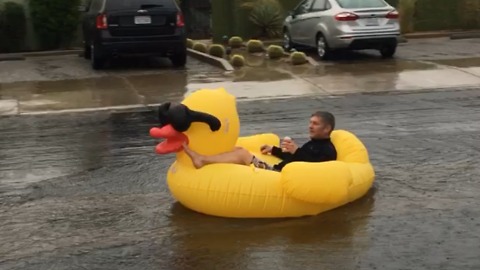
column 86, row 191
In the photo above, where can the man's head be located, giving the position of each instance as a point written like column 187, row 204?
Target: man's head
column 321, row 125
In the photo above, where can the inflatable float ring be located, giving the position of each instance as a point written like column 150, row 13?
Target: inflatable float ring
column 208, row 121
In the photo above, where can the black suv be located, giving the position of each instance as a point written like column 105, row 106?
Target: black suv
column 133, row 27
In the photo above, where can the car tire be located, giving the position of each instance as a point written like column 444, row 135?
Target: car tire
column 388, row 50
column 97, row 60
column 323, row 50
column 287, row 41
column 179, row 59
column 87, row 54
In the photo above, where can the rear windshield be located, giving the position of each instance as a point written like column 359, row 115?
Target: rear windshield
column 361, row 3
column 138, row 4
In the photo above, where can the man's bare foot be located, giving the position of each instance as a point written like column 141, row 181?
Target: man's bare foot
column 196, row 158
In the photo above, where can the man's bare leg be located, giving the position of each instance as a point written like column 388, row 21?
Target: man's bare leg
column 236, row 156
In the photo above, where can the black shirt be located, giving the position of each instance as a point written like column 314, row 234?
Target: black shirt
column 315, row 150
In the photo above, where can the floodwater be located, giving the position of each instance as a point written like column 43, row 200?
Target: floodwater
column 86, row 191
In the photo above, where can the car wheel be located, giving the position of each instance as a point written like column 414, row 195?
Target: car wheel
column 87, row 52
column 97, row 60
column 287, row 41
column 388, row 50
column 179, row 59
column 323, row 50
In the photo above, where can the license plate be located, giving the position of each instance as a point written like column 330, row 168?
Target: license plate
column 371, row 22
column 143, row 20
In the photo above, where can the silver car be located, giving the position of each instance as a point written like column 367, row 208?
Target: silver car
column 330, row 25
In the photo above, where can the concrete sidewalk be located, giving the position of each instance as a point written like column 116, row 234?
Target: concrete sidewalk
column 45, row 85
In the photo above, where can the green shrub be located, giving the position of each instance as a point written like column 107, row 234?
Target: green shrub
column 469, row 14
column 254, row 46
column 189, row 43
column 200, row 47
column 235, row 42
column 275, row 52
column 55, row 22
column 237, row 60
column 12, row 27
column 216, row 50
column 406, row 9
column 298, row 58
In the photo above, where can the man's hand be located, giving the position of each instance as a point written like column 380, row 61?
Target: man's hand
column 289, row 146
column 266, row 149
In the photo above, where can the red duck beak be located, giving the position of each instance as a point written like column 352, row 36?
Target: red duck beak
column 173, row 139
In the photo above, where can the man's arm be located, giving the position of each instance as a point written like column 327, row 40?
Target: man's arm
column 311, row 155
column 276, row 151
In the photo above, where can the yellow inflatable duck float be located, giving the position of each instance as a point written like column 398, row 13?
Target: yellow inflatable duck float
column 208, row 121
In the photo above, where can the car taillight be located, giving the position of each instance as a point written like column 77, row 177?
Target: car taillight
column 102, row 21
column 180, row 21
column 392, row 15
column 346, row 16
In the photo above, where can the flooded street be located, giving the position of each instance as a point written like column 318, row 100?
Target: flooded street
column 86, row 191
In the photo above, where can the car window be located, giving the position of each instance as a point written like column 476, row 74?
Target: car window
column 319, row 5
column 361, row 3
column 138, row 4
column 304, row 7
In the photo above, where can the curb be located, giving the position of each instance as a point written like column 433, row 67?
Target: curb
column 11, row 57
column 440, row 34
column 145, row 108
column 312, row 61
column 465, row 35
column 22, row 56
column 52, row 53
column 215, row 61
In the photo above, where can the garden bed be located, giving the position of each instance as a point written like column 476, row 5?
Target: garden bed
column 253, row 53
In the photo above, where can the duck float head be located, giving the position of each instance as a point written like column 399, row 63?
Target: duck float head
column 207, row 120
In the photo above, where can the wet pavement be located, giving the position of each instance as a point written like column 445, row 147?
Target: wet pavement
column 86, row 191
column 68, row 82
column 59, row 83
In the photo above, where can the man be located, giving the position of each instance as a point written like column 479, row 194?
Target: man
column 318, row 149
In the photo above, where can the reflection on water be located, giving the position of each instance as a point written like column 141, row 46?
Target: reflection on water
column 204, row 241
column 105, row 91
column 109, row 197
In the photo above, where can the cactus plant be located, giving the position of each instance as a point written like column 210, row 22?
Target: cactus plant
column 189, row 43
column 216, row 50
column 275, row 52
column 237, row 60
column 235, row 42
column 254, row 46
column 198, row 46
column 298, row 58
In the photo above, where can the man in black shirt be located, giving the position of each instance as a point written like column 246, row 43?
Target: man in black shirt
column 318, row 149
